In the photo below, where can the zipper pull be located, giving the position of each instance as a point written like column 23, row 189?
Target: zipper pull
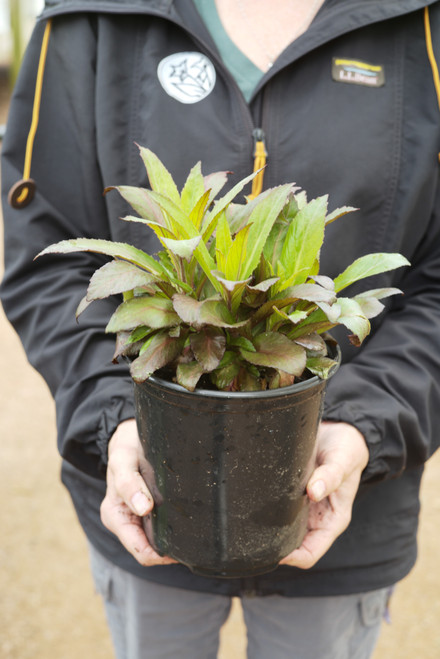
column 260, row 159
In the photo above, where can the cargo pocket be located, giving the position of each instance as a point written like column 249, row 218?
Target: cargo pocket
column 373, row 606
column 102, row 574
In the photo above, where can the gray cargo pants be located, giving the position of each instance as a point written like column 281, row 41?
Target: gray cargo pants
column 152, row 621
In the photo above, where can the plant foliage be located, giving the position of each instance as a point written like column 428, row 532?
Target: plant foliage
column 235, row 295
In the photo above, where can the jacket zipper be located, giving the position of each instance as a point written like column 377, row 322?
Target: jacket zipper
column 260, row 158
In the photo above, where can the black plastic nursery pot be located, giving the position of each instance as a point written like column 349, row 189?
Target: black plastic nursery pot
column 228, row 472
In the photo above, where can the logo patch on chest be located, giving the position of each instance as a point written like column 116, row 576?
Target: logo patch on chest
column 187, row 77
column 355, row 72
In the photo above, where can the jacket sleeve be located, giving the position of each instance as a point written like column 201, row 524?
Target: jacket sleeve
column 40, row 297
column 391, row 390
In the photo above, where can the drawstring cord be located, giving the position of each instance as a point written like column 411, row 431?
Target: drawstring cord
column 22, row 192
column 431, row 56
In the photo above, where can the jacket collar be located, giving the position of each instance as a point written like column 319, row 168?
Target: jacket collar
column 375, row 10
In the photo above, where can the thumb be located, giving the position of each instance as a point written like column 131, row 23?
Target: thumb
column 124, row 478
column 326, row 479
column 140, row 501
column 124, row 482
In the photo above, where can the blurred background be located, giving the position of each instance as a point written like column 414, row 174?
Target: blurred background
column 48, row 608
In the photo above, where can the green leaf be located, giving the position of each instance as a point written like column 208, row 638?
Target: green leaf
column 278, row 318
column 159, row 229
column 223, row 377
column 303, row 243
column 198, row 212
column 332, row 311
column 379, row 293
column 368, row 300
column 154, row 312
column 183, row 228
column 182, row 248
column 82, row 306
column 261, row 221
column 278, row 379
column 208, row 346
column 264, row 285
column 236, row 256
column 232, row 291
column 223, row 242
column 188, row 375
column 193, row 189
column 316, row 322
column 296, row 316
column 159, row 177
column 241, row 342
column 109, row 248
column 368, row 265
column 321, row 366
column 313, row 342
column 211, row 218
column 370, row 306
column 238, row 213
column 324, row 281
column 117, row 277
column 211, row 311
column 214, row 183
column 216, row 313
column 162, row 349
column 280, row 315
column 248, row 381
column 139, row 333
column 339, row 212
column 141, row 202
column 275, row 241
column 123, row 345
column 228, row 358
column 352, row 317
column 277, row 351
column 310, row 293
column 187, row 308
column 301, row 199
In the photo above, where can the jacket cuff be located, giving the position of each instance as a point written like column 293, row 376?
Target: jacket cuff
column 377, row 468
column 119, row 410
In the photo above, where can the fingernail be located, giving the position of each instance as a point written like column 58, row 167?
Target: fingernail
column 140, row 503
column 317, row 490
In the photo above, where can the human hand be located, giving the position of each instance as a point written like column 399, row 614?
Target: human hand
column 127, row 498
column 341, row 458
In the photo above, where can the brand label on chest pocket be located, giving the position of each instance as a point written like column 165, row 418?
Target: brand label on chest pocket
column 355, row 72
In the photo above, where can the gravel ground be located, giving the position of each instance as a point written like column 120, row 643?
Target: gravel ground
column 48, row 609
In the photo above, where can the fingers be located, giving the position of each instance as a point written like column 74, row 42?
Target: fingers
column 314, row 546
column 127, row 497
column 123, row 472
column 342, row 456
column 120, row 520
column 125, row 479
column 325, row 479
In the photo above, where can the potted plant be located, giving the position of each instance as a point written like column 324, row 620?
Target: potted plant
column 226, row 333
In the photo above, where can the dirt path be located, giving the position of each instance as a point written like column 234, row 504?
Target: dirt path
column 48, row 609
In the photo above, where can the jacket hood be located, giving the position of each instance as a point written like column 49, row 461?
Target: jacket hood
column 373, row 10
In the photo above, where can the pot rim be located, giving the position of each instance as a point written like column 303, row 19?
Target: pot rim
column 297, row 387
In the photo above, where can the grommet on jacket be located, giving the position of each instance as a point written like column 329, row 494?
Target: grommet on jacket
column 21, row 193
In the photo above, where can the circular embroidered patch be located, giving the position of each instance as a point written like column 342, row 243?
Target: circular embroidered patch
column 187, row 77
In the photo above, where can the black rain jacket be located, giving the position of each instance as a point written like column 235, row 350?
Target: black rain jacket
column 371, row 141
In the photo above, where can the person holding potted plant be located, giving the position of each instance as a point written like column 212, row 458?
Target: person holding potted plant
column 159, row 73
